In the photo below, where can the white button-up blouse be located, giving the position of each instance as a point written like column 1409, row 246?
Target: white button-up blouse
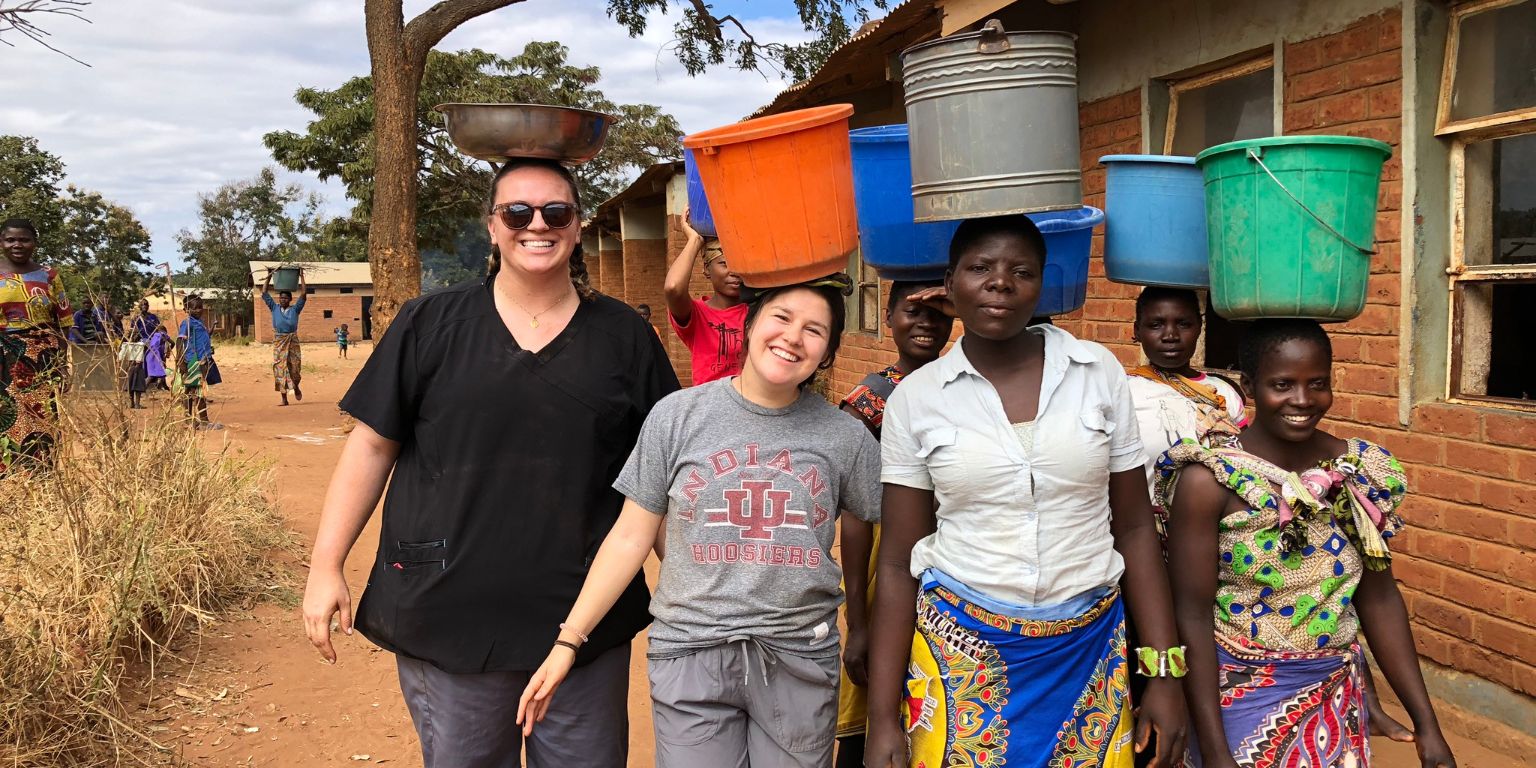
column 1028, row 529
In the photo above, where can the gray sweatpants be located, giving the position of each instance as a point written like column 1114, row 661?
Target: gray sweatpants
column 740, row 704
column 470, row 721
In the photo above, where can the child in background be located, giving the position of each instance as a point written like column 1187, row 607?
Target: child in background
column 1173, row 400
column 711, row 328
column 920, row 333
column 341, row 341
column 195, row 361
column 156, row 351
column 1282, row 540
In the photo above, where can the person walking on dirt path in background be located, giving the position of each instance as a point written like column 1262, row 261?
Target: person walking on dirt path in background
column 711, row 328
column 499, row 412
column 195, row 361
column 156, row 352
column 287, row 358
column 341, row 340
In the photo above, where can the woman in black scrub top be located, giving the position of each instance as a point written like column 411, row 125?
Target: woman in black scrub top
column 500, row 412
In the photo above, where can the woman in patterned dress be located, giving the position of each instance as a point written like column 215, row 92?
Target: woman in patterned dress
column 1292, row 524
column 34, row 317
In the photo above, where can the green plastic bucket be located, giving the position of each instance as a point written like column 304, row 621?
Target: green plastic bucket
column 285, row 279
column 1291, row 223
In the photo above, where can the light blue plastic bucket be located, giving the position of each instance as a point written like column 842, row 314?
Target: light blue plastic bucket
column 699, row 215
column 1156, row 232
column 890, row 240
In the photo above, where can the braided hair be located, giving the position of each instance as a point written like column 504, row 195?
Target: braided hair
column 1266, row 336
column 578, row 265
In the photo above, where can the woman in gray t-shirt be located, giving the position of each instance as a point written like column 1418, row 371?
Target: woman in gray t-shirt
column 748, row 475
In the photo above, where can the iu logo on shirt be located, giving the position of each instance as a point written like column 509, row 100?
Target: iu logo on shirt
column 757, row 509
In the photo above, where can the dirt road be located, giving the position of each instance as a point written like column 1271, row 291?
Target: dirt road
column 251, row 691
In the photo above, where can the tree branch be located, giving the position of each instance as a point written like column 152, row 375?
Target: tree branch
column 18, row 18
column 433, row 24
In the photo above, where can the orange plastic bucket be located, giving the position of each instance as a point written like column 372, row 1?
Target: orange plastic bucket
column 781, row 191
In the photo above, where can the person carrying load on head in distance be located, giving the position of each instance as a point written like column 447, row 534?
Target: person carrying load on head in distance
column 919, row 332
column 1282, row 543
column 712, row 328
column 1014, row 502
column 498, row 412
column 287, row 356
column 748, row 476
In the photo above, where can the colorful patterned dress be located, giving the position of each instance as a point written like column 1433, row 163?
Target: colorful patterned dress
column 34, row 316
column 1292, row 692
column 868, row 398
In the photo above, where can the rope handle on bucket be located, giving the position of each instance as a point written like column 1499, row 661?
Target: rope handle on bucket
column 1253, row 154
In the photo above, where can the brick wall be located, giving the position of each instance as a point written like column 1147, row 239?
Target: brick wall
column 611, row 272
column 1108, row 126
column 313, row 324
column 1466, row 562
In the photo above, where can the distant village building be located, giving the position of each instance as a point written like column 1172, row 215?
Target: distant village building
column 339, row 292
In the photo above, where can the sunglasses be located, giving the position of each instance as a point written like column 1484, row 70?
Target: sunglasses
column 520, row 215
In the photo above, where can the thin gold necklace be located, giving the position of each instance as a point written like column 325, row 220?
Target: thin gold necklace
column 533, row 317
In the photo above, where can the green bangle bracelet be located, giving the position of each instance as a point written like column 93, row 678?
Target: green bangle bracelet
column 1151, row 662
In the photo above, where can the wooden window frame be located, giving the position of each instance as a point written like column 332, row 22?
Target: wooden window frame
column 1460, row 274
column 1444, row 125
column 854, row 304
column 1180, row 86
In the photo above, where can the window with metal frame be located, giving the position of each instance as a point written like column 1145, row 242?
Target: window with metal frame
column 863, row 306
column 1231, row 103
column 1487, row 109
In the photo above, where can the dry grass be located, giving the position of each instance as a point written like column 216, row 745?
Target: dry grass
column 139, row 533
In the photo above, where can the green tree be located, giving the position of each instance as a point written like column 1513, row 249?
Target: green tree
column 256, row 219
column 103, row 250
column 398, row 51
column 30, row 178
column 452, row 185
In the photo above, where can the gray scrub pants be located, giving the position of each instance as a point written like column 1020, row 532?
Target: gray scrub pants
column 470, row 721
column 741, row 704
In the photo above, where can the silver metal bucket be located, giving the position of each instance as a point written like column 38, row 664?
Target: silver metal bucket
column 993, row 121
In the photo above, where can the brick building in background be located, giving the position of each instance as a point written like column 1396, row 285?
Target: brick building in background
column 339, row 292
column 1439, row 367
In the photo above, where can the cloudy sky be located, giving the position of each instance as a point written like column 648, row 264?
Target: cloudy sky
column 180, row 92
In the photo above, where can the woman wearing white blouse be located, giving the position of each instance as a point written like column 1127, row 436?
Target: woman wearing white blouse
column 1014, row 502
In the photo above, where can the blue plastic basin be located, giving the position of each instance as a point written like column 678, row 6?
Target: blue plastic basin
column 1068, row 239
column 1156, row 234
column 890, row 241
column 699, row 216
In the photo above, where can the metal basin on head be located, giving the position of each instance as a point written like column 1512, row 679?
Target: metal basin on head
column 499, row 132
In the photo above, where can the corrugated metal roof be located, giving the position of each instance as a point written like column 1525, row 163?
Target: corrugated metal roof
column 318, row 272
column 900, row 18
column 650, row 182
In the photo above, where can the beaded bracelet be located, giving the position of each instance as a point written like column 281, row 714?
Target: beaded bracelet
column 575, row 631
column 1151, row 662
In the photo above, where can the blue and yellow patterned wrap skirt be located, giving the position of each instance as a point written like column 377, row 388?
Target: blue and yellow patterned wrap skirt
column 987, row 688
